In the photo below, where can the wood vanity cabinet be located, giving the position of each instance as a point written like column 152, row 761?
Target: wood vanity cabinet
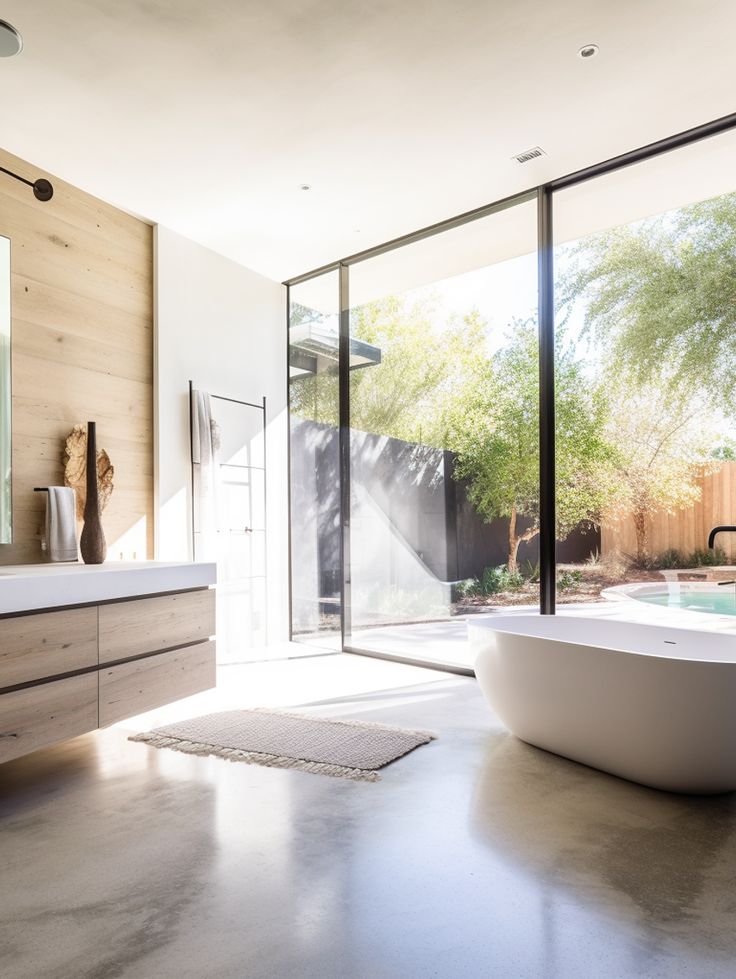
column 69, row 671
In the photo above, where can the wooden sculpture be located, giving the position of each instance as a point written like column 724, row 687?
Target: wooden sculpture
column 75, row 469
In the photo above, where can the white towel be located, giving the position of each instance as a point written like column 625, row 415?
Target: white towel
column 204, row 458
column 61, row 524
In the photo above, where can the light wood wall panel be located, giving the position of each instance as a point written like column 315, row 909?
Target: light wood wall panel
column 82, row 345
column 686, row 529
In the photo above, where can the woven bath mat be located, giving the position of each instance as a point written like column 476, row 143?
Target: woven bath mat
column 281, row 739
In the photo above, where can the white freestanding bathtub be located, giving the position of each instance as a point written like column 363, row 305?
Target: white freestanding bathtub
column 649, row 703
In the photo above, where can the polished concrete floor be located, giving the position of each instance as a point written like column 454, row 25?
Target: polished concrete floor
column 476, row 855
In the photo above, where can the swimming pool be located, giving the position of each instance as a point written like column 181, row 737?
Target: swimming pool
column 720, row 601
column 688, row 596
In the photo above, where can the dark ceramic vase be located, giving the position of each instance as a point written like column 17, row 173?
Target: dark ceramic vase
column 92, row 542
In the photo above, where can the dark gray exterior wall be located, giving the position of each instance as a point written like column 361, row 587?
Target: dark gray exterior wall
column 414, row 487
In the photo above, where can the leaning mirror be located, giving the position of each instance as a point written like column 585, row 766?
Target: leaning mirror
column 6, row 515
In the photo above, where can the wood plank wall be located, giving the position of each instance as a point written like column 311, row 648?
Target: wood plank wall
column 687, row 529
column 82, row 349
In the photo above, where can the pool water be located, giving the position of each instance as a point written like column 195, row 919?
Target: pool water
column 721, row 601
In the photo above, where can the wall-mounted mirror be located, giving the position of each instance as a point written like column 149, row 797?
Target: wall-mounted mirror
column 6, row 499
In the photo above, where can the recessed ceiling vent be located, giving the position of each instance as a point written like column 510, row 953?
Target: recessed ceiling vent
column 527, row 155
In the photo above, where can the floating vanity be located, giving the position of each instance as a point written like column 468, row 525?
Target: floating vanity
column 82, row 647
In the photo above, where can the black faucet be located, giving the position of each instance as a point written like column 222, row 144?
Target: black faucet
column 719, row 530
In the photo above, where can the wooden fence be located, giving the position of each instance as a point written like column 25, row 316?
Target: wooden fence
column 686, row 529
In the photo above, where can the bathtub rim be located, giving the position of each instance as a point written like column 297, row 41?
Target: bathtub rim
column 485, row 623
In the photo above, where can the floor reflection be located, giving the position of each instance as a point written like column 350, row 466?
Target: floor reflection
column 475, row 856
column 649, row 858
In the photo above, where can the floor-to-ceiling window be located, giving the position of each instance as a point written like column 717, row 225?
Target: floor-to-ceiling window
column 444, row 465
column 431, row 512
column 314, row 460
column 645, row 264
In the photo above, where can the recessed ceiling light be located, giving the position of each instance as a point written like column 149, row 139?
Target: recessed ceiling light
column 305, row 187
column 588, row 51
column 10, row 40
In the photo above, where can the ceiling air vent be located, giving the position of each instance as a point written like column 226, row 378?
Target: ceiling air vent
column 528, row 155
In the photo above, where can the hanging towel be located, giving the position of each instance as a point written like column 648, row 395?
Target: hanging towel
column 61, row 524
column 204, row 458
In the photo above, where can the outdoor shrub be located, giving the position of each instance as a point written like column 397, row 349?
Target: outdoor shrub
column 500, row 579
column 466, row 588
column 647, row 562
column 671, row 558
column 667, row 560
column 567, row 580
column 707, row 558
column 530, row 571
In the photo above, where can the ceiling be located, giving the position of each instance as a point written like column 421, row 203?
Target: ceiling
column 209, row 118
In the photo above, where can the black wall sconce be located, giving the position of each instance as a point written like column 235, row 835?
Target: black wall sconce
column 42, row 188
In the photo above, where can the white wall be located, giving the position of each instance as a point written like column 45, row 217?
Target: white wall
column 223, row 327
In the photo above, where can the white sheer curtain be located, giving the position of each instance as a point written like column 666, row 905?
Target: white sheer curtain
column 205, row 446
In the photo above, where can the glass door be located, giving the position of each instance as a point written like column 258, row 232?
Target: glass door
column 444, row 436
column 241, row 591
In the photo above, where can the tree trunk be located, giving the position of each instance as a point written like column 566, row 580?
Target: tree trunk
column 642, row 536
column 515, row 539
column 512, row 562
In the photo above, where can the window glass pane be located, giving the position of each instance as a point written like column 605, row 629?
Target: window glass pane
column 315, row 477
column 444, row 483
column 645, row 265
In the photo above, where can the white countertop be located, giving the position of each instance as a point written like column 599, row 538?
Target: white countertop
column 27, row 587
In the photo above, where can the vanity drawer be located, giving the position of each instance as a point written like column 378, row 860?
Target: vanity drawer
column 47, row 644
column 149, row 624
column 132, row 688
column 50, row 712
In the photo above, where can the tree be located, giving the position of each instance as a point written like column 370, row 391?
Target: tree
column 665, row 440
column 658, row 299
column 496, row 435
column 426, row 365
column 664, row 290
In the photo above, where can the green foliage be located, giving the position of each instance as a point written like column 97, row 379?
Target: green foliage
column 725, row 452
column 658, row 304
column 497, row 438
column 531, row 571
column 425, row 371
column 493, row 581
column 701, row 558
column 662, row 291
column 664, row 439
column 500, row 579
column 568, row 580
column 464, row 589
column 672, row 559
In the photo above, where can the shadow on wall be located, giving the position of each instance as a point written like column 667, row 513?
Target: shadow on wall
column 412, row 487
